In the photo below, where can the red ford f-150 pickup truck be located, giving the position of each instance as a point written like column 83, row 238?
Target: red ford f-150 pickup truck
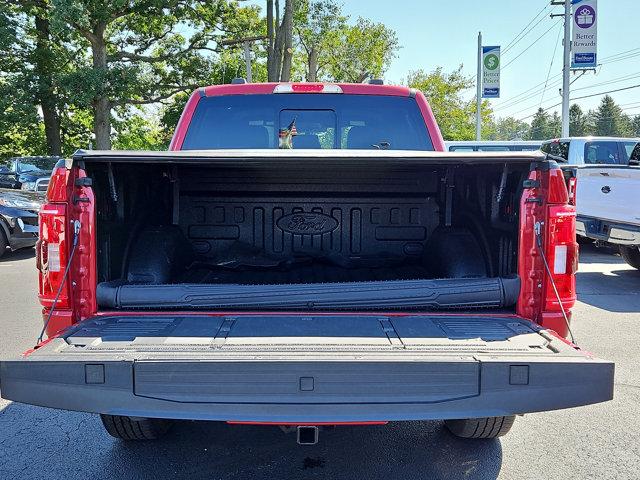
column 307, row 255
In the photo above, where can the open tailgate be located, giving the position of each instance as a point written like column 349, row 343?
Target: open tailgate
column 314, row 368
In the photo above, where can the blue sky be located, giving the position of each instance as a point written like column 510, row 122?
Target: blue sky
column 444, row 33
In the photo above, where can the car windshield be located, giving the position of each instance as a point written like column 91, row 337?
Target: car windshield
column 32, row 164
column 298, row 121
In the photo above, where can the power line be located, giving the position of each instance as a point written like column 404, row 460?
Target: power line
column 583, row 97
column 529, row 96
column 507, row 103
column 609, row 82
column 518, row 37
column 531, row 45
column 550, row 67
column 621, row 53
column 621, row 58
column 624, row 55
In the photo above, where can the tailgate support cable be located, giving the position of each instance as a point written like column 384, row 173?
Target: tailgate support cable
column 76, row 234
column 538, row 232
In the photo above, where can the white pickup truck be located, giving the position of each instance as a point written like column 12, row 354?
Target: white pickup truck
column 607, row 172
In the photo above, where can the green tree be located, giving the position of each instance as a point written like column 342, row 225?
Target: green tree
column 318, row 24
column 609, row 119
column 363, row 50
column 578, row 122
column 279, row 40
column 455, row 114
column 545, row 126
column 31, row 59
column 509, row 128
column 139, row 50
column 555, row 126
column 635, row 126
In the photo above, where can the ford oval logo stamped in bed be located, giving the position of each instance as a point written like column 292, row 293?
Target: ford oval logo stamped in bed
column 307, row 223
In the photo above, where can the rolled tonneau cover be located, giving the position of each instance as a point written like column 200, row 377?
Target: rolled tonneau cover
column 327, row 157
column 377, row 295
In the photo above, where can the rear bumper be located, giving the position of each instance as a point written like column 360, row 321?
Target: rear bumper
column 608, row 231
column 310, row 391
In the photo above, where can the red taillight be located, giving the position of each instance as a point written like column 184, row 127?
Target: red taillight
column 51, row 256
column 557, row 187
column 57, row 190
column 307, row 88
column 562, row 255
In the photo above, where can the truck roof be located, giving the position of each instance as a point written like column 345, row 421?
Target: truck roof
column 304, row 87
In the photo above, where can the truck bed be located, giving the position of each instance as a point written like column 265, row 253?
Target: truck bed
column 316, row 368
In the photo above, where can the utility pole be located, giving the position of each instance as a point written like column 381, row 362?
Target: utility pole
column 247, row 59
column 246, row 43
column 565, row 68
column 479, row 90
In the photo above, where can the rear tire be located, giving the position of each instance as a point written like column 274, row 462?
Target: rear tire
column 133, row 428
column 489, row 427
column 631, row 255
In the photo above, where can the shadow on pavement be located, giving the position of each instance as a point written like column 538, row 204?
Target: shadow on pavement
column 43, row 443
column 614, row 291
column 607, row 255
column 21, row 254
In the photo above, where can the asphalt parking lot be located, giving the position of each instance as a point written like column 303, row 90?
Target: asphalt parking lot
column 598, row 442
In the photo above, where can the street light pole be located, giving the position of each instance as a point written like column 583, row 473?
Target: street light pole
column 479, row 90
column 566, row 67
column 247, row 59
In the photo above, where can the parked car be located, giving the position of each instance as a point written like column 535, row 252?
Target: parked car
column 18, row 219
column 608, row 210
column 307, row 255
column 578, row 151
column 493, row 146
column 27, row 173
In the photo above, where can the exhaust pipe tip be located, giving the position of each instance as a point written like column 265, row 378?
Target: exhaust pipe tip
column 307, row 435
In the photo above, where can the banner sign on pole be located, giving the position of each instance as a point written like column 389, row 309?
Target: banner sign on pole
column 584, row 37
column 490, row 72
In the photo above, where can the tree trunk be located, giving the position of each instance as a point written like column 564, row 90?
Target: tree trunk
column 45, row 94
column 101, row 102
column 312, row 65
column 287, row 54
column 278, row 47
column 272, row 75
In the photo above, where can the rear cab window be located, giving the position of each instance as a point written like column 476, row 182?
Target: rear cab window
column 603, row 153
column 558, row 149
column 301, row 121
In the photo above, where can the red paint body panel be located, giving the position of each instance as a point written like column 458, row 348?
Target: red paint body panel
column 184, row 121
column 530, row 267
